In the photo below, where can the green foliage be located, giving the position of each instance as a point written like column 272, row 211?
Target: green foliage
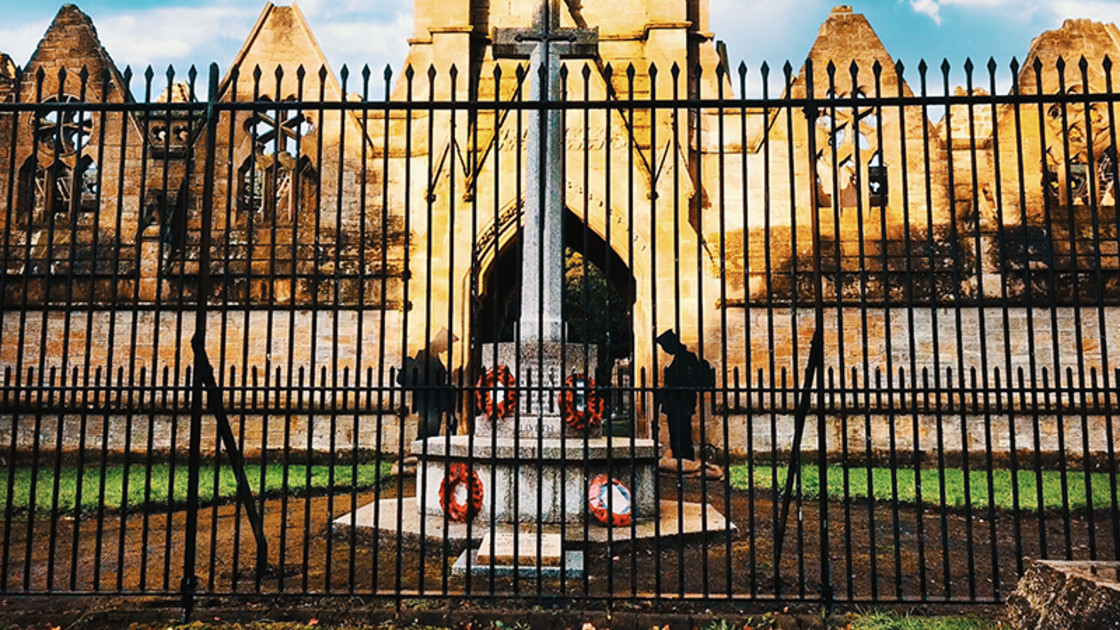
column 1078, row 485
column 167, row 484
column 513, row 625
column 218, row 624
column 766, row 621
column 593, row 309
column 892, row 621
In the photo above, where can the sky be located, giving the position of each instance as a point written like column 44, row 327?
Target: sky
column 356, row 32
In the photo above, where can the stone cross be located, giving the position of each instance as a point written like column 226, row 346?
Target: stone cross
column 542, row 254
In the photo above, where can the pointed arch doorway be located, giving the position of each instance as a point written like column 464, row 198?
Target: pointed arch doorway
column 599, row 296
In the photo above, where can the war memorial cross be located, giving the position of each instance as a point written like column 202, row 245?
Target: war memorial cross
column 542, row 258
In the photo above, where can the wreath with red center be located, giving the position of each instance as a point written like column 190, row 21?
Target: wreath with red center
column 460, row 493
column 496, row 394
column 610, row 501
column 581, row 406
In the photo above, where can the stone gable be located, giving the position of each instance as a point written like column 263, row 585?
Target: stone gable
column 57, row 206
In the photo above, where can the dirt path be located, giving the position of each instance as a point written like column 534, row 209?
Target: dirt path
column 936, row 555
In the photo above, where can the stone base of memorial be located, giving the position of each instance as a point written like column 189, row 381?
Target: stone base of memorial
column 529, row 479
column 525, row 475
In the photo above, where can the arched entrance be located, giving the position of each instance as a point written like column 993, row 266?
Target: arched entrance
column 599, row 297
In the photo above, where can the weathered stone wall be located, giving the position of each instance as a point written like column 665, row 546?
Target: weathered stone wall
column 249, row 340
column 990, row 338
column 325, row 346
column 398, row 214
column 868, row 349
column 874, row 437
column 166, row 435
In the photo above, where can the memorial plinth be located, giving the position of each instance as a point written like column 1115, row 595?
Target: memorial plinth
column 546, row 479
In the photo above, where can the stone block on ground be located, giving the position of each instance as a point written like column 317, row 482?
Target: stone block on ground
column 506, row 547
column 1067, row 595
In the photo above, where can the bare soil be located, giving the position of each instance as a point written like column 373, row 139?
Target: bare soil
column 876, row 552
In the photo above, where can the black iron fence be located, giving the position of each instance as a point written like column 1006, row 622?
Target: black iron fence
column 897, row 306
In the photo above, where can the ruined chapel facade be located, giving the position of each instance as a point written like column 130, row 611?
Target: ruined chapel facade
column 347, row 229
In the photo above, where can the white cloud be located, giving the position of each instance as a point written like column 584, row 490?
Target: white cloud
column 20, row 41
column 350, row 31
column 757, row 30
column 928, row 7
column 334, row 9
column 158, row 36
column 990, row 3
column 1100, row 10
column 1025, row 10
column 357, row 43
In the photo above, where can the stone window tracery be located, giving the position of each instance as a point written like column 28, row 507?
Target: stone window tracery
column 1079, row 149
column 845, row 133
column 276, row 179
column 61, row 132
column 57, row 165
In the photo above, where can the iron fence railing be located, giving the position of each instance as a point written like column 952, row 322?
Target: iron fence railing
column 906, row 300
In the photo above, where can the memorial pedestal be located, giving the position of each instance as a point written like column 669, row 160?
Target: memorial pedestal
column 529, row 479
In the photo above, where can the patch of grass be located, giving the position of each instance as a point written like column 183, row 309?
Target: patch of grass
column 257, row 625
column 220, row 625
column 167, row 485
column 892, row 621
column 767, row 621
column 1077, row 484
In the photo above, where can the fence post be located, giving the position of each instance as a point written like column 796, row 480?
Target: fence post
column 811, row 113
column 189, row 583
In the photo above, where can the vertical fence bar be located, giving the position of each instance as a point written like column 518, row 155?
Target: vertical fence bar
column 1005, row 404
column 1072, row 264
column 189, row 582
column 1095, row 257
column 29, row 270
column 1106, row 370
column 818, row 299
column 12, row 394
column 113, row 297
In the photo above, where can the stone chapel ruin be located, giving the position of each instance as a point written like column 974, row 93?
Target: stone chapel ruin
column 344, row 237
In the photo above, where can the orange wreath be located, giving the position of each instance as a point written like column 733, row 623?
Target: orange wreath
column 460, row 476
column 496, row 394
column 581, row 406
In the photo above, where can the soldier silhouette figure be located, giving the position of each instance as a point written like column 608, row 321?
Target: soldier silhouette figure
column 685, row 379
column 432, row 395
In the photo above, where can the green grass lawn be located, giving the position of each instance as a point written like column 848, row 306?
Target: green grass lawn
column 164, row 484
column 1002, row 483
column 892, row 621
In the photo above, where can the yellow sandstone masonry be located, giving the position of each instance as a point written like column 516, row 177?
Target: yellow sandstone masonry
column 315, row 217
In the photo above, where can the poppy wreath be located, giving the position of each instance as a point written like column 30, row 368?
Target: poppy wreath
column 497, row 383
column 458, row 474
column 614, row 512
column 581, row 406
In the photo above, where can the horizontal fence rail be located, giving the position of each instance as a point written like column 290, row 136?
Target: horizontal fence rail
column 264, row 334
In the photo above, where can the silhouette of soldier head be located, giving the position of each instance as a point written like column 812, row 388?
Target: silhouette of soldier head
column 442, row 341
column 670, row 342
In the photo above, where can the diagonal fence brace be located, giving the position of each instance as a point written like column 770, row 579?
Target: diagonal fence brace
column 816, row 363
column 236, row 459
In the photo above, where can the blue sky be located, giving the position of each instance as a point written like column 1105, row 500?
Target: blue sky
column 182, row 32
